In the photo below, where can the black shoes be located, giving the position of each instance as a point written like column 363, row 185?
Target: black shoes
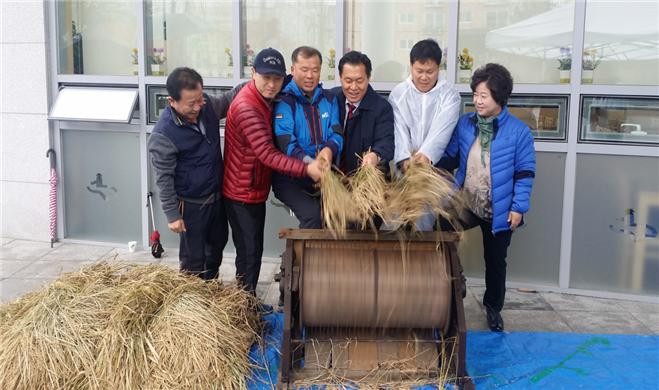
column 494, row 320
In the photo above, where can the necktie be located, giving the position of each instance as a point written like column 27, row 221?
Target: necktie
column 351, row 111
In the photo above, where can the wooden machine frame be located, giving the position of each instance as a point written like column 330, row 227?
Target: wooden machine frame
column 292, row 348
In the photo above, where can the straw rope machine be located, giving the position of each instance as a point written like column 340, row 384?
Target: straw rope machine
column 386, row 305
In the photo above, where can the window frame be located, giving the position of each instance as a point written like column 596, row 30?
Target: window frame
column 550, row 101
column 582, row 111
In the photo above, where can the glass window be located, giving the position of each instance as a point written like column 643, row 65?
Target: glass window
column 625, row 51
column 546, row 116
column 616, row 219
column 102, row 185
column 619, row 119
column 541, row 236
column 157, row 96
column 387, row 30
column 190, row 33
column 97, row 37
column 527, row 37
column 285, row 25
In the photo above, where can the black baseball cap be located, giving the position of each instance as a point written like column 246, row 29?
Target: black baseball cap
column 270, row 61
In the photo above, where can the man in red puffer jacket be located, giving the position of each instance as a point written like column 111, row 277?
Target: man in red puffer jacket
column 250, row 157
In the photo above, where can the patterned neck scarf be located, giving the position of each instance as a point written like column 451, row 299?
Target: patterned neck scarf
column 485, row 131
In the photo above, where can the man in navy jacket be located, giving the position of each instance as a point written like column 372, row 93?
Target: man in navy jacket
column 184, row 151
column 367, row 118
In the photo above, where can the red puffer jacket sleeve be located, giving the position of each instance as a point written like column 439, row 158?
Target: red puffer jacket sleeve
column 258, row 133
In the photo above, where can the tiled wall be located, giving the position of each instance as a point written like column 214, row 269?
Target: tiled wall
column 24, row 168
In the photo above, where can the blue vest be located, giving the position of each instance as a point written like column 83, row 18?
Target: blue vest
column 199, row 166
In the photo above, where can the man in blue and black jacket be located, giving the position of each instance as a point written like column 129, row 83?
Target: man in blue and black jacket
column 184, row 151
column 307, row 127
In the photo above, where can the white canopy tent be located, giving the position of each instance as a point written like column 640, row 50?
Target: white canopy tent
column 619, row 30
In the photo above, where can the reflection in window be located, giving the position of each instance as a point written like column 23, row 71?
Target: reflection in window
column 429, row 20
column 624, row 52
column 387, row 30
column 620, row 119
column 406, row 45
column 190, row 33
column 97, row 37
column 285, row 25
column 524, row 36
column 491, row 19
column 546, row 116
column 406, row 18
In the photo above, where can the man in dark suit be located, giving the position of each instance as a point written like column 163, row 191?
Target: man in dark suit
column 367, row 118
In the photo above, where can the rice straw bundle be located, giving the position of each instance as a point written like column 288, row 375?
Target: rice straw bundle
column 368, row 188
column 112, row 325
column 422, row 189
column 202, row 336
column 117, row 326
column 125, row 350
column 13, row 310
column 337, row 205
column 50, row 337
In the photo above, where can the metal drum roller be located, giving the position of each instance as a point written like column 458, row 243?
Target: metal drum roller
column 358, row 303
column 358, row 284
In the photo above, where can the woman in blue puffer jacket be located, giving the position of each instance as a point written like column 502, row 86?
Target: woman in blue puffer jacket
column 494, row 154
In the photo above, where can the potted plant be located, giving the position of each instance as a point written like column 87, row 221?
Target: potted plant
column 331, row 64
column 589, row 63
column 227, row 51
column 134, row 62
column 565, row 65
column 465, row 63
column 158, row 61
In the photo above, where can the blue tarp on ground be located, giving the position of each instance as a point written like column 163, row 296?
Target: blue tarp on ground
column 521, row 360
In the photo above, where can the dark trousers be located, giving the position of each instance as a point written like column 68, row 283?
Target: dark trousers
column 495, row 248
column 299, row 196
column 247, row 224
column 201, row 245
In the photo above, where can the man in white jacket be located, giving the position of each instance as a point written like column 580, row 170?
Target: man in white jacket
column 426, row 110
